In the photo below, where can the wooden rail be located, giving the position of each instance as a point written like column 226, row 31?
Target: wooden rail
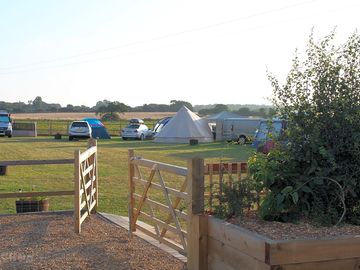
column 36, row 194
column 36, row 162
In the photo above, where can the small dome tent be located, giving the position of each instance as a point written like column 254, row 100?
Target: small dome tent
column 183, row 127
column 98, row 129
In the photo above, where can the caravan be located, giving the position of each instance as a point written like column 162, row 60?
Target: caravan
column 240, row 130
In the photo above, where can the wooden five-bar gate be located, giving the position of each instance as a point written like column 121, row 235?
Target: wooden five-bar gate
column 85, row 192
column 180, row 212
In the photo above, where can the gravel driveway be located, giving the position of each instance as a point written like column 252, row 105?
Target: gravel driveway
column 48, row 241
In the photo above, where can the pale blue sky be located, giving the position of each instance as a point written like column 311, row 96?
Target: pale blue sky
column 151, row 51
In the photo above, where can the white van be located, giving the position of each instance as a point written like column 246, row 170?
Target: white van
column 5, row 124
column 240, row 130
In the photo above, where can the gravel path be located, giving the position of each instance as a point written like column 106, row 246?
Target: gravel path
column 49, row 242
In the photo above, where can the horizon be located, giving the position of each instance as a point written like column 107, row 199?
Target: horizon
column 153, row 52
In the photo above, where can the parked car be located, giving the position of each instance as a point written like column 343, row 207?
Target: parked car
column 5, row 124
column 79, row 129
column 136, row 130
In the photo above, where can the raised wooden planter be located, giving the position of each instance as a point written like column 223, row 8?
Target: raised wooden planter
column 232, row 247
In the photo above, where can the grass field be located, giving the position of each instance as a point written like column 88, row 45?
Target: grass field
column 52, row 123
column 51, row 127
column 113, row 166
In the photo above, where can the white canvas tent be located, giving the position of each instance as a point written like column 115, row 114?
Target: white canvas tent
column 183, row 127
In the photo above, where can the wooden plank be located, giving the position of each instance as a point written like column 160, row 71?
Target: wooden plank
column 37, row 194
column 300, row 251
column 88, row 153
column 89, row 182
column 88, row 169
column 353, row 264
column 82, row 184
column 215, row 263
column 175, row 204
column 231, row 258
column 167, row 242
column 162, row 224
column 211, row 186
column 197, row 223
column 83, row 217
column 162, row 207
column 92, row 205
column 77, row 197
column 94, row 184
column 174, row 192
column 88, row 196
column 36, row 162
column 238, row 238
column 146, row 188
column 172, row 212
column 161, row 166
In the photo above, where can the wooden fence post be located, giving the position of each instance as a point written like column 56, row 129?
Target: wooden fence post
column 197, row 222
column 132, row 226
column 77, row 197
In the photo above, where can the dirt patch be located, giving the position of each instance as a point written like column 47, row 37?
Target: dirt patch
column 290, row 231
column 78, row 116
column 49, row 242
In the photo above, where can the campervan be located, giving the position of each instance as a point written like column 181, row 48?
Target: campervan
column 240, row 130
column 5, row 124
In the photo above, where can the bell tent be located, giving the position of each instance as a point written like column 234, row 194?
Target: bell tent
column 183, row 127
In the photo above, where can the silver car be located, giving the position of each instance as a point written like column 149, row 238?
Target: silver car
column 136, row 130
column 79, row 129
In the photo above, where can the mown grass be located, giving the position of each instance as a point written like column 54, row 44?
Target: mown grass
column 113, row 167
column 51, row 127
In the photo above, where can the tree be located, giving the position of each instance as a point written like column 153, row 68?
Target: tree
column 317, row 171
column 175, row 105
column 244, row 111
column 110, row 111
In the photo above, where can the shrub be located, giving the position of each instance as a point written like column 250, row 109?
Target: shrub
column 316, row 173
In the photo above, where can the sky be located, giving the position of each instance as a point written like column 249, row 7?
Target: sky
column 153, row 51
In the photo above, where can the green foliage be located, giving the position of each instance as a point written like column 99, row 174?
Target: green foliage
column 112, row 108
column 316, row 173
column 237, row 198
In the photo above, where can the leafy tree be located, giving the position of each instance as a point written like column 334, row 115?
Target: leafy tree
column 175, row 105
column 111, row 110
column 317, row 172
column 244, row 111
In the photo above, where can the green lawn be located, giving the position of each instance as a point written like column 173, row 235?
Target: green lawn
column 113, row 166
column 51, row 127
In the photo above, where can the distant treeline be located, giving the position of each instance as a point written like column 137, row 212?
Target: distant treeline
column 38, row 105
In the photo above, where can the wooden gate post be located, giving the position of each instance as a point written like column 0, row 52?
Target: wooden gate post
column 197, row 222
column 132, row 226
column 77, row 197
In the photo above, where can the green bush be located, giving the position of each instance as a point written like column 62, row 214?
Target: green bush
column 238, row 197
column 316, row 174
